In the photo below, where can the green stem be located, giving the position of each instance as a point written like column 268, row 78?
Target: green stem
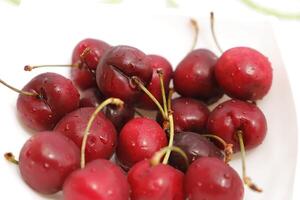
column 162, row 88
column 11, row 158
column 171, row 139
column 156, row 158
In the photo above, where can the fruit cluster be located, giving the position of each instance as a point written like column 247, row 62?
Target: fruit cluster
column 182, row 154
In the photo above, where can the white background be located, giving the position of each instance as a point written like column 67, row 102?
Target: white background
column 287, row 32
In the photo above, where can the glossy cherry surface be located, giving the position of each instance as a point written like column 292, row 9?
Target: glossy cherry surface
column 157, row 63
column 100, row 179
column 102, row 138
column 46, row 160
column 195, row 146
column 87, row 54
column 91, row 97
column 211, row 179
column 160, row 182
column 234, row 115
column 115, row 70
column 194, row 76
column 244, row 73
column 139, row 139
column 56, row 96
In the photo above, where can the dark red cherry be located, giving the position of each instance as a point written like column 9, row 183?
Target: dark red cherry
column 157, row 63
column 235, row 115
column 211, row 179
column 160, row 182
column 194, row 76
column 86, row 55
column 102, row 138
column 189, row 115
column 244, row 73
column 115, row 70
column 194, row 146
column 46, row 160
column 119, row 116
column 100, row 179
column 139, row 139
column 55, row 97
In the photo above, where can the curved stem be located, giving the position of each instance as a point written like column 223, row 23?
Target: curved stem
column 162, row 88
column 156, row 158
column 11, row 158
column 114, row 101
column 196, row 30
column 212, row 28
column 17, row 90
column 171, row 139
column 246, row 179
column 31, row 67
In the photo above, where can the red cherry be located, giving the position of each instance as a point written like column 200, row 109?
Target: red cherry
column 139, row 139
column 157, row 63
column 244, row 73
column 211, row 179
column 87, row 54
column 102, row 138
column 100, row 179
column 46, row 160
column 194, row 76
column 160, row 182
column 119, row 116
column 116, row 69
column 235, row 115
column 54, row 97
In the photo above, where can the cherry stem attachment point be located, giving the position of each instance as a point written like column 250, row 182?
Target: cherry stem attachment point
column 212, row 28
column 31, row 67
column 228, row 148
column 19, row 91
column 246, row 179
column 156, row 158
column 11, row 158
column 163, row 91
column 171, row 138
column 195, row 26
column 108, row 101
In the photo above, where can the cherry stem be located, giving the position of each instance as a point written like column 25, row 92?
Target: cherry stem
column 228, row 148
column 196, row 29
column 108, row 101
column 138, row 113
column 156, row 158
column 84, row 53
column 148, row 93
column 31, row 67
column 212, row 28
column 163, row 92
column 171, row 92
column 17, row 90
column 246, row 179
column 11, row 158
column 171, row 138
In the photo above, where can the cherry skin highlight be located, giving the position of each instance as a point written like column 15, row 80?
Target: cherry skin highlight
column 194, row 76
column 139, row 139
column 244, row 73
column 102, row 138
column 86, row 55
column 46, row 160
column 235, row 115
column 160, row 182
column 194, row 146
column 211, row 179
column 56, row 96
column 100, row 179
column 116, row 69
column 157, row 63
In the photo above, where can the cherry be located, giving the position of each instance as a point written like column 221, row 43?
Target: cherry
column 86, row 55
column 139, row 139
column 234, row 115
column 119, row 116
column 46, row 160
column 159, row 65
column 194, row 146
column 101, row 142
column 211, row 179
column 100, row 179
column 159, row 182
column 194, row 76
column 45, row 100
column 116, row 70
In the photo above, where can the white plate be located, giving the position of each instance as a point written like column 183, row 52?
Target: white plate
column 47, row 36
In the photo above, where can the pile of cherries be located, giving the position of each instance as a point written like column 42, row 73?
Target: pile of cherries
column 181, row 154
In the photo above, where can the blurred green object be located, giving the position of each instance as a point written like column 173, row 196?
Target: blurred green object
column 112, row 1
column 172, row 3
column 270, row 11
column 16, row 2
